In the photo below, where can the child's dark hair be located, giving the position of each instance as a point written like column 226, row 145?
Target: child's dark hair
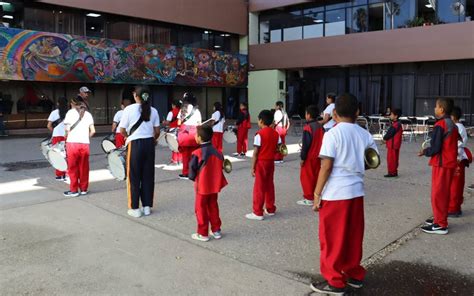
column 331, row 96
column 457, row 112
column 397, row 112
column 279, row 104
column 246, row 106
column 347, row 106
column 205, row 132
column 177, row 103
column 189, row 98
column 313, row 111
column 144, row 94
column 126, row 101
column 266, row 116
column 63, row 107
column 446, row 104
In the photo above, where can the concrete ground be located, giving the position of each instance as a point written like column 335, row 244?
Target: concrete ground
column 52, row 245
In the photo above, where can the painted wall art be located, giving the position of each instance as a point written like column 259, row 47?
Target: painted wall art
column 42, row 56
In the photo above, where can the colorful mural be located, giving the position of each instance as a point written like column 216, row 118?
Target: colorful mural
column 42, row 56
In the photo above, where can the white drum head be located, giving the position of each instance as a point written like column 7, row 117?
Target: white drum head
column 117, row 164
column 108, row 143
column 172, row 141
column 230, row 137
column 162, row 140
column 45, row 146
column 57, row 158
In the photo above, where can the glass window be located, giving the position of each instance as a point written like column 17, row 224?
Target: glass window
column 275, row 28
column 335, row 4
column 357, row 18
column 376, row 14
column 449, row 11
column 292, row 26
column 95, row 26
column 264, row 31
column 69, row 23
column 399, row 13
column 39, row 19
column 335, row 22
column 313, row 25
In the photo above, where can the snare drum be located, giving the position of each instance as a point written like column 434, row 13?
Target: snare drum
column 172, row 141
column 117, row 160
column 57, row 156
column 45, row 147
column 162, row 138
column 229, row 135
column 108, row 143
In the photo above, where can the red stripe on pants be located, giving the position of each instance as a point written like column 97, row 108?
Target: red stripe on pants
column 242, row 140
column 217, row 141
column 207, row 211
column 441, row 179
column 341, row 233
column 119, row 140
column 309, row 176
column 55, row 140
column 392, row 160
column 456, row 197
column 176, row 157
column 186, row 153
column 264, row 188
column 282, row 132
column 78, row 166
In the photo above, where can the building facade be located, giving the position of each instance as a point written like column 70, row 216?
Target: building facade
column 393, row 53
column 50, row 48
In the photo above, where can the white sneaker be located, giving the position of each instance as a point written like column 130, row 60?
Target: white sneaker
column 235, row 154
column 146, row 211
column 217, row 234
column 267, row 213
column 67, row 180
column 252, row 216
column 279, row 161
column 135, row 213
column 199, row 237
column 305, row 202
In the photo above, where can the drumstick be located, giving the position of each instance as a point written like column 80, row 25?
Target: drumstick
column 207, row 121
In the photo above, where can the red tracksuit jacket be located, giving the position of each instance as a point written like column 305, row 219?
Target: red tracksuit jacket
column 444, row 144
column 393, row 137
column 269, row 141
column 174, row 121
column 313, row 134
column 206, row 170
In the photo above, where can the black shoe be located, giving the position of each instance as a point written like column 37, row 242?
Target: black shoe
column 242, row 155
column 183, row 177
column 455, row 214
column 60, row 178
column 391, row 175
column 434, row 229
column 326, row 288
column 471, row 187
column 355, row 283
column 71, row 194
column 429, row 221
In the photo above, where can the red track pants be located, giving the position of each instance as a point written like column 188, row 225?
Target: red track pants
column 282, row 132
column 78, row 166
column 176, row 157
column 341, row 233
column 456, row 197
column 207, row 211
column 309, row 176
column 186, row 153
column 264, row 188
column 119, row 140
column 392, row 160
column 242, row 140
column 56, row 140
column 441, row 180
column 217, row 141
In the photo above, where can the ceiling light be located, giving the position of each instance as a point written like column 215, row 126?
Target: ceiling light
column 4, row 3
column 92, row 14
column 429, row 6
column 225, row 35
column 207, row 32
column 217, row 46
column 318, row 21
column 8, row 16
column 92, row 28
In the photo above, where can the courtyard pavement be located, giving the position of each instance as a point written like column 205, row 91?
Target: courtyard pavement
column 52, row 245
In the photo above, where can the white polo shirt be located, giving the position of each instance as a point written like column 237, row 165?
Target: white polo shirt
column 59, row 130
column 80, row 133
column 461, row 144
column 194, row 120
column 117, row 119
column 131, row 114
column 329, row 110
column 346, row 144
column 218, row 126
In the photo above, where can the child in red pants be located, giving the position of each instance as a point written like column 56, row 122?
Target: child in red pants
column 443, row 152
column 243, row 126
column 282, row 124
column 456, row 197
column 263, row 166
column 339, row 198
column 205, row 169
column 393, row 142
column 310, row 163
column 56, row 125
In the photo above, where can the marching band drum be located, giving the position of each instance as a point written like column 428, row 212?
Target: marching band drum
column 230, row 135
column 117, row 163
column 45, row 147
column 108, row 143
column 57, row 156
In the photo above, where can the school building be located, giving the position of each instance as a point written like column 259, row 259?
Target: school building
column 50, row 48
column 392, row 53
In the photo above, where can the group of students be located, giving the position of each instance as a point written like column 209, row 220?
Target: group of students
column 332, row 168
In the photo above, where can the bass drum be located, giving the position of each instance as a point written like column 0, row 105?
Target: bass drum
column 45, row 147
column 230, row 135
column 57, row 156
column 162, row 138
column 172, row 141
column 186, row 136
column 117, row 163
column 108, row 143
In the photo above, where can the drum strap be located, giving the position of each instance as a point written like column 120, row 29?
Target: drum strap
column 220, row 119
column 189, row 116
column 57, row 122
column 135, row 126
column 75, row 124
